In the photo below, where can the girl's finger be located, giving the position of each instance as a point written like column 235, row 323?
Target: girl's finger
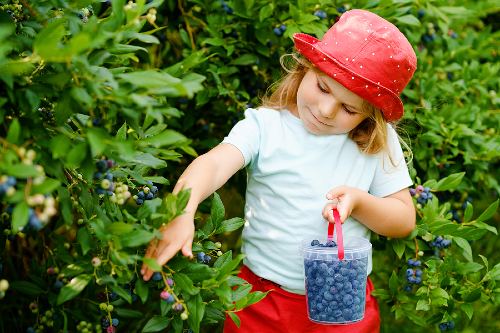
column 187, row 248
column 149, row 252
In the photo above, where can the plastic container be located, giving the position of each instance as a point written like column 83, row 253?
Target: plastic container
column 336, row 288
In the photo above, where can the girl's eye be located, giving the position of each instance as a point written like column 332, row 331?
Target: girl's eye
column 349, row 112
column 320, row 87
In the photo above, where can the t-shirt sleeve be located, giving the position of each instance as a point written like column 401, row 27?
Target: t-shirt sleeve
column 245, row 136
column 391, row 174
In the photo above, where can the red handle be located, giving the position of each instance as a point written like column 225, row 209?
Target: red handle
column 340, row 238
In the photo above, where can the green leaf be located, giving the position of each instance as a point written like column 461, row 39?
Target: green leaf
column 47, row 186
column 223, row 259
column 120, row 228
column 230, row 225
column 494, row 273
column 77, row 154
column 127, row 313
column 142, row 290
column 97, row 140
column 468, row 212
column 156, row 324
column 393, row 283
column 228, row 267
column 439, row 293
column 185, row 283
column 408, row 20
column 21, row 170
column 245, row 60
column 266, row 11
column 241, row 292
column 73, row 288
column 84, row 239
column 465, row 246
column 166, row 138
column 450, row 182
column 482, row 225
column 14, row 131
column 136, row 238
column 422, row 305
column 26, row 288
column 152, row 264
column 469, row 267
column 217, row 210
column 20, row 216
column 196, row 309
column 398, row 246
column 122, row 293
column 472, row 295
column 489, row 212
column 467, row 309
column 234, row 317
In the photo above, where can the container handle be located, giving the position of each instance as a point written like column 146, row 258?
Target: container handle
column 340, row 238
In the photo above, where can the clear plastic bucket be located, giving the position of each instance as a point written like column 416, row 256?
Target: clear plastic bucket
column 336, row 289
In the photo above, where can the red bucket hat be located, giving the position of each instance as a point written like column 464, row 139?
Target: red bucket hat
column 366, row 54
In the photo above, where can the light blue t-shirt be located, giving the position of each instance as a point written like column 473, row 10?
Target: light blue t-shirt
column 290, row 170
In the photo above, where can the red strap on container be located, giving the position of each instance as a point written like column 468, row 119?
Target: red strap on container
column 340, row 237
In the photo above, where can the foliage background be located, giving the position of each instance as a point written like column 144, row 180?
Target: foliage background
column 152, row 84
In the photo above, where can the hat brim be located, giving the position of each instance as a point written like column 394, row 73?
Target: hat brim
column 378, row 95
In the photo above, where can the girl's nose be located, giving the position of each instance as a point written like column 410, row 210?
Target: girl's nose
column 330, row 108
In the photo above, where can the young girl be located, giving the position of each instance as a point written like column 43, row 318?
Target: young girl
column 320, row 141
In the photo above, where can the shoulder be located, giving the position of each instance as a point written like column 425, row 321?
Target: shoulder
column 262, row 112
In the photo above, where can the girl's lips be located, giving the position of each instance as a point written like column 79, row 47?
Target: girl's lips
column 319, row 120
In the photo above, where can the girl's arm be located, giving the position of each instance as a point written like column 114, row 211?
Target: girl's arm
column 203, row 176
column 391, row 216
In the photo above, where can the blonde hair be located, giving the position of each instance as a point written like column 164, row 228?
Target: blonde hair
column 370, row 135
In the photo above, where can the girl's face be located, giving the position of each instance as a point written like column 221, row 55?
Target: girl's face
column 326, row 107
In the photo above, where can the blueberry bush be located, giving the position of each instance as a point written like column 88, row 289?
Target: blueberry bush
column 104, row 103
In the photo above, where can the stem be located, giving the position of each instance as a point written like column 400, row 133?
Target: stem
column 188, row 27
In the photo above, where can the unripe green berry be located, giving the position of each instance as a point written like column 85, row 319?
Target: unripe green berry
column 218, row 245
column 103, row 306
column 110, row 307
column 4, row 285
column 96, row 262
column 184, row 315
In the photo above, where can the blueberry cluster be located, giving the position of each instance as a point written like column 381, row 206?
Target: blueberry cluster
column 103, row 177
column 430, row 36
column 7, row 185
column 278, row 31
column 203, row 258
column 109, row 326
column 440, row 243
column 42, row 209
column 329, row 243
column 413, row 276
column 423, row 194
column 148, row 192
column 167, row 297
column 117, row 191
column 320, row 13
column 226, row 8
column 449, row 325
column 336, row 289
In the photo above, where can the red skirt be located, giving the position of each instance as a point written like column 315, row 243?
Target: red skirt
column 283, row 311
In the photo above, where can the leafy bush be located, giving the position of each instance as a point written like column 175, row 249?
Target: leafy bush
column 102, row 104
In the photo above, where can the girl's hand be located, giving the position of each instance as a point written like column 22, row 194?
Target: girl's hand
column 345, row 199
column 177, row 235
